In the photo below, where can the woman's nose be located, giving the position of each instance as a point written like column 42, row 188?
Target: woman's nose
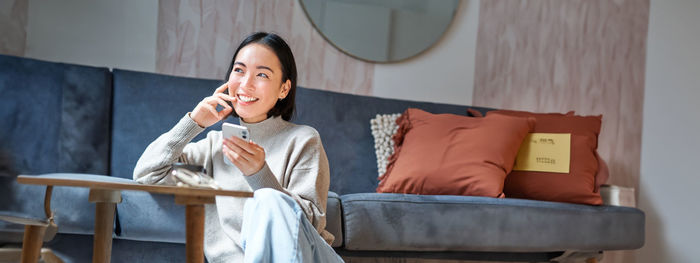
column 245, row 81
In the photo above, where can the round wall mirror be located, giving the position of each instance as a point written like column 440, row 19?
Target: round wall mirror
column 381, row 31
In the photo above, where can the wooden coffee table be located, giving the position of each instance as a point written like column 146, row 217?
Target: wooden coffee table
column 105, row 192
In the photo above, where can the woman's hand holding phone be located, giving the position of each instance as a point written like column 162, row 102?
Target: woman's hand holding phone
column 205, row 113
column 248, row 156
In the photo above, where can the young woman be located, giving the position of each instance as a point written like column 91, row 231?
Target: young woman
column 285, row 164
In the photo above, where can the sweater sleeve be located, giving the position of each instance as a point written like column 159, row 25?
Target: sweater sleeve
column 154, row 165
column 308, row 178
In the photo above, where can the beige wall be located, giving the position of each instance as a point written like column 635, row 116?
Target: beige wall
column 13, row 27
column 103, row 33
column 669, row 182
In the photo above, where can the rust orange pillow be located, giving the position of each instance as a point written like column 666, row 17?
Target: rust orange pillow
column 579, row 185
column 448, row 154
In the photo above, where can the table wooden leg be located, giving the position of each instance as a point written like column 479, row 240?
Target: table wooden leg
column 104, row 221
column 194, row 223
column 195, row 232
column 31, row 243
column 105, row 203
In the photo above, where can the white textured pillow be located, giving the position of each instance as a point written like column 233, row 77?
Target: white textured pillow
column 383, row 128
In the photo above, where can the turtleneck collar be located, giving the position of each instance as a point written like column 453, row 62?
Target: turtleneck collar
column 266, row 128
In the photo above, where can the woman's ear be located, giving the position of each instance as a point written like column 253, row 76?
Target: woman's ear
column 286, row 87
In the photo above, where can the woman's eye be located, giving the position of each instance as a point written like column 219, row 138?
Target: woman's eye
column 239, row 70
column 263, row 75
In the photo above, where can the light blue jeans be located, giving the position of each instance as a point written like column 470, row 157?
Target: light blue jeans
column 275, row 229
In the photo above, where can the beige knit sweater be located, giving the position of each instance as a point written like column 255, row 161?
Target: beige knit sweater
column 296, row 164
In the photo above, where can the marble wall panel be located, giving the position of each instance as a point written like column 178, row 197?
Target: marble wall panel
column 198, row 38
column 13, row 27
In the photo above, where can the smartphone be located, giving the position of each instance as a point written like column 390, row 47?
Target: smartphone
column 230, row 130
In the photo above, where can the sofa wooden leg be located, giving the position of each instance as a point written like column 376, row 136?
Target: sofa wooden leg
column 31, row 243
column 591, row 260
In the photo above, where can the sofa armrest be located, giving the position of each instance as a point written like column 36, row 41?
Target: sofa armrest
column 334, row 219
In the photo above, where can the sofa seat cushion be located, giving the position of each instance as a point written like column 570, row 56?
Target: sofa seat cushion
column 401, row 222
column 155, row 217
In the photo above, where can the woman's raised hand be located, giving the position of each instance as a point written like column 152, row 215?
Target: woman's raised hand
column 205, row 113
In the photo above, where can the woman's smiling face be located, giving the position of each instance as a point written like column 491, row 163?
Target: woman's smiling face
column 256, row 82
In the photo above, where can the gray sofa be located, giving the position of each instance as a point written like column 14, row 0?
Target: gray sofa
column 62, row 118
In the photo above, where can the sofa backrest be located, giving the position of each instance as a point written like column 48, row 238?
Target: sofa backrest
column 147, row 105
column 54, row 117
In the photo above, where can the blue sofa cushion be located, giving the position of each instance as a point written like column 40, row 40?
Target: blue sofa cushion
column 342, row 120
column 400, row 222
column 54, row 117
column 147, row 105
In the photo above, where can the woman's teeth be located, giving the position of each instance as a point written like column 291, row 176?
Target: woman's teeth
column 246, row 98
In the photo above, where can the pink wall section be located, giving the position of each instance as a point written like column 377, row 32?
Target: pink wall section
column 198, row 38
column 582, row 55
column 13, row 25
